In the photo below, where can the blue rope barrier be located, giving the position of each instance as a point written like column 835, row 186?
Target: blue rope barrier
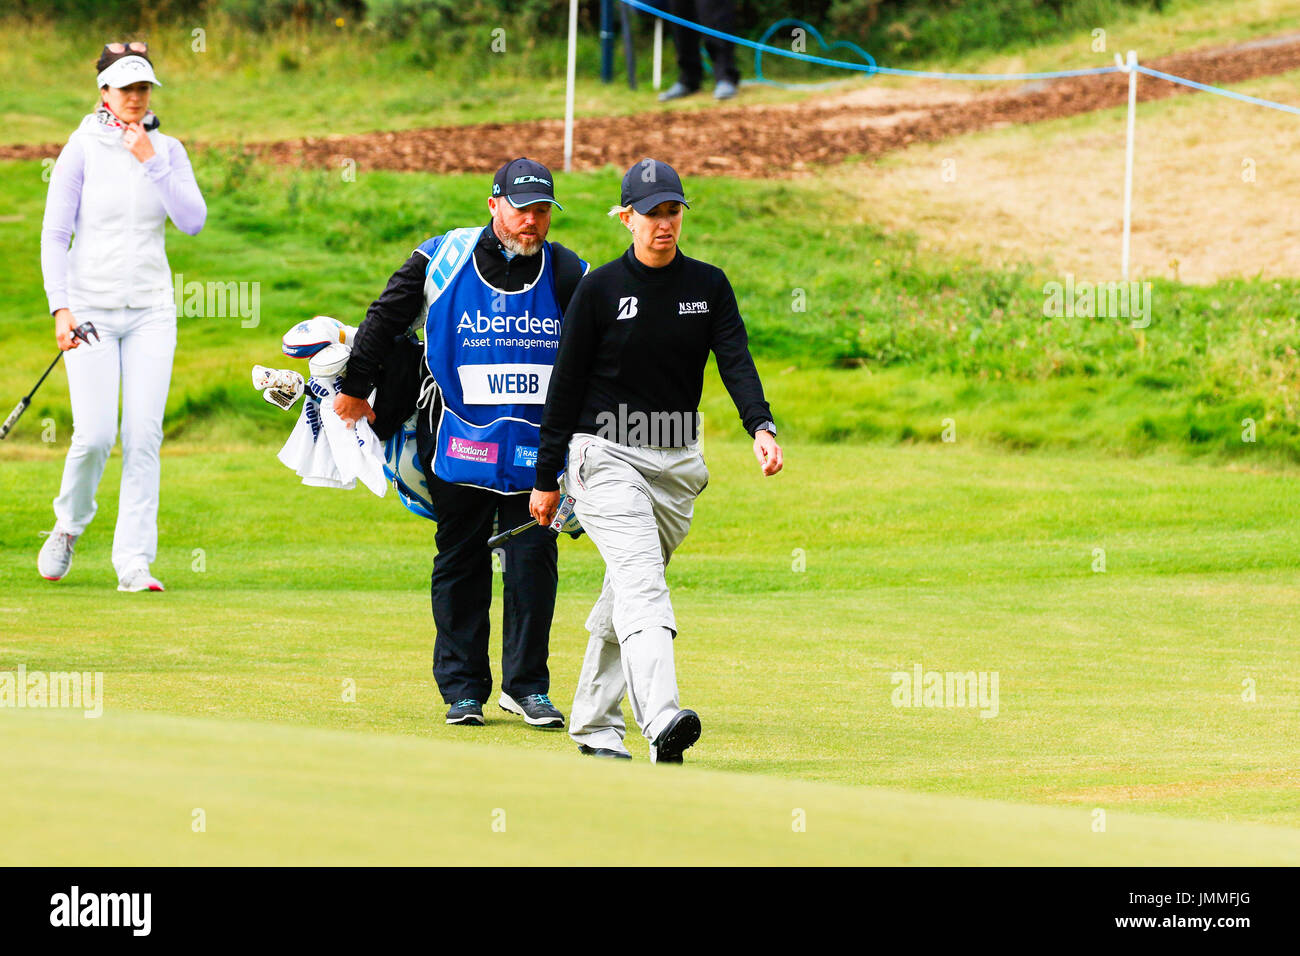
column 1230, row 94
column 871, row 67
column 868, row 68
column 809, row 28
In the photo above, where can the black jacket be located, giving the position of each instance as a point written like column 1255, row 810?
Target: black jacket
column 634, row 346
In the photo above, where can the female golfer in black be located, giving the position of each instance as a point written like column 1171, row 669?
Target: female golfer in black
column 624, row 404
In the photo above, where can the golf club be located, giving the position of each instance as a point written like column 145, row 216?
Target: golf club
column 563, row 514
column 499, row 539
column 83, row 332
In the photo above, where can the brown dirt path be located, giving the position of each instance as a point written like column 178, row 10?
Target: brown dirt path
column 768, row 141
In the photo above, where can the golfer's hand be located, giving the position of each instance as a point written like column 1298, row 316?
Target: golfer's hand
column 542, row 505
column 352, row 410
column 137, row 142
column 64, row 323
column 768, row 452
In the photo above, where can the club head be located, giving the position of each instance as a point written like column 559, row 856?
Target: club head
column 84, row 331
column 565, row 520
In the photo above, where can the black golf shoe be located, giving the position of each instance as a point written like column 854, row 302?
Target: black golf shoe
column 466, row 711
column 536, row 710
column 604, row 752
column 682, row 731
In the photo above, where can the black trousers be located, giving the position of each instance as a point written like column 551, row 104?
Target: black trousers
column 461, row 593
column 718, row 15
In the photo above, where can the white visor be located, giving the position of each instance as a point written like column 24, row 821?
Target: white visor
column 128, row 70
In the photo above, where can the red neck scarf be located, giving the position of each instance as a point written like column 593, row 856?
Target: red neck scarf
column 110, row 119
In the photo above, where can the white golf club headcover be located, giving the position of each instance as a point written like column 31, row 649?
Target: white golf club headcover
column 307, row 338
column 323, row 450
column 329, row 362
column 281, row 387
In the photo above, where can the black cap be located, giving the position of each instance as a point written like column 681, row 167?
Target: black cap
column 650, row 182
column 524, row 182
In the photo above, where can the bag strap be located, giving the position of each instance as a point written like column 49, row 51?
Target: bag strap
column 448, row 259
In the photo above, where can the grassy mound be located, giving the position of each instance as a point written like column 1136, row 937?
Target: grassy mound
column 166, row 791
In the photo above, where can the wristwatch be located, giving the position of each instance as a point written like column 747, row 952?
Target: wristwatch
column 766, row 427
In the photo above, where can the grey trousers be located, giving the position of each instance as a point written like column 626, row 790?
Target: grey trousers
column 636, row 505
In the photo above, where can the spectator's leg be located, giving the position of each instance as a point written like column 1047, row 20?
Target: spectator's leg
column 690, row 68
column 721, row 16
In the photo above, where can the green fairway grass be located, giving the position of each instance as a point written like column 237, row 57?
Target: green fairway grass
column 137, row 789
column 970, row 487
column 862, row 334
column 1120, row 690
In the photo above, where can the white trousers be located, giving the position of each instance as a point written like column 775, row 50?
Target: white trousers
column 135, row 349
column 636, row 505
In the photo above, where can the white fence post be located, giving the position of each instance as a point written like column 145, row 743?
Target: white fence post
column 659, row 53
column 1131, row 69
column 568, row 90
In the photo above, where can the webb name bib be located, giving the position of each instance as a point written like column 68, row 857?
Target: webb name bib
column 491, row 353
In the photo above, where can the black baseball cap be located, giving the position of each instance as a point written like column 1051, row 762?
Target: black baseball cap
column 650, row 182
column 524, row 182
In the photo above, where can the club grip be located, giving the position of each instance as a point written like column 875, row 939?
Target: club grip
column 13, row 417
column 499, row 539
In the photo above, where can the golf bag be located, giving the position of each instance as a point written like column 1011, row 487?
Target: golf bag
column 397, row 387
column 402, row 466
column 326, row 343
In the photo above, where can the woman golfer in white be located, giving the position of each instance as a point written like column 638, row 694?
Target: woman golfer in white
column 623, row 403
column 114, row 186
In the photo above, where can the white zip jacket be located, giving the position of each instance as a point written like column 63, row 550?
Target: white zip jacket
column 117, row 208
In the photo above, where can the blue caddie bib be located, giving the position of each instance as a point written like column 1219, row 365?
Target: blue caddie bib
column 490, row 353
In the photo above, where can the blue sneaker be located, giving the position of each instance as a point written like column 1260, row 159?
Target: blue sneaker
column 535, row 709
column 467, row 711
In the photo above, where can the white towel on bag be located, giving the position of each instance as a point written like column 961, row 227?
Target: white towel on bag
column 325, row 453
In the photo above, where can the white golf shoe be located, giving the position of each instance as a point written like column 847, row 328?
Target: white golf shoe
column 56, row 553
column 138, row 578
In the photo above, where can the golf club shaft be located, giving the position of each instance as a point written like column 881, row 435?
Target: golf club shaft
column 504, row 536
column 41, row 380
column 13, row 417
column 21, row 407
